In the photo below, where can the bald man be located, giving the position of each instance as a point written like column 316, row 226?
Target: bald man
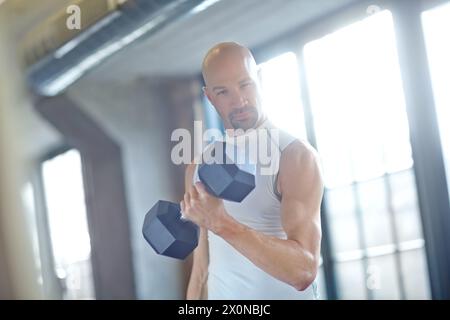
column 267, row 246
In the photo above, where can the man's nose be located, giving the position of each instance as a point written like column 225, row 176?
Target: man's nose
column 239, row 100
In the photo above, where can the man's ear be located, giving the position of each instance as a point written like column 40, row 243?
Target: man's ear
column 206, row 93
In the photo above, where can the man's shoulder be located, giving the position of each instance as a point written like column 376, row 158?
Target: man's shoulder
column 301, row 146
column 299, row 151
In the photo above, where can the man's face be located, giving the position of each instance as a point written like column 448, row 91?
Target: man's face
column 234, row 90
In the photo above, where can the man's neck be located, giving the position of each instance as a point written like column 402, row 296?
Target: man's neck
column 260, row 121
column 256, row 126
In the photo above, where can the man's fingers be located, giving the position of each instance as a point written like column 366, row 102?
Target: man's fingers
column 187, row 199
column 201, row 189
column 182, row 207
column 194, row 193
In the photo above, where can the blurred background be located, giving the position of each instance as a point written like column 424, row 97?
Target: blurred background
column 90, row 91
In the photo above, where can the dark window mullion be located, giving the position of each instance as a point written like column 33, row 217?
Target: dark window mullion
column 327, row 248
column 361, row 237
column 394, row 234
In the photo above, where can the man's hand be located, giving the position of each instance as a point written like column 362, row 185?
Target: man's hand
column 203, row 209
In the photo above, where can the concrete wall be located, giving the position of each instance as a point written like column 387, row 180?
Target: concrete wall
column 140, row 116
column 18, row 269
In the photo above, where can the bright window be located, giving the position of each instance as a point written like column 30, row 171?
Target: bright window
column 66, row 210
column 281, row 93
column 358, row 104
column 362, row 134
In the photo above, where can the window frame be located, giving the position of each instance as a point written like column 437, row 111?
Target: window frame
column 429, row 202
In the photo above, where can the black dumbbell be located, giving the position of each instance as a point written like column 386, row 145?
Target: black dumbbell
column 168, row 233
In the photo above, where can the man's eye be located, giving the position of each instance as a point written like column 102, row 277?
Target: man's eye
column 246, row 84
column 221, row 92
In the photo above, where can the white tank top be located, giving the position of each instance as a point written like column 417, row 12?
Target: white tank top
column 231, row 274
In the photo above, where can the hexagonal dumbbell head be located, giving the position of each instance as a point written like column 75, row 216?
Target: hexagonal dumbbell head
column 225, row 179
column 167, row 233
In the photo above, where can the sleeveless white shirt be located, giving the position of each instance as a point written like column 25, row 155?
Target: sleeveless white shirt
column 230, row 274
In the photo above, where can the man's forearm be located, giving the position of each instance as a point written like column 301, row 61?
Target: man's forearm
column 196, row 289
column 285, row 260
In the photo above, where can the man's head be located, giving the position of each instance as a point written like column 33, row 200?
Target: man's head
column 232, row 85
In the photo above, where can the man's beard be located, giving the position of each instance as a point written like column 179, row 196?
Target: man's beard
column 247, row 123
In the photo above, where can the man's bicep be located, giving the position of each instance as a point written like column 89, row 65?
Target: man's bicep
column 301, row 188
column 301, row 224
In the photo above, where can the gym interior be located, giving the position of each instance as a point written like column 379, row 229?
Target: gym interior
column 91, row 92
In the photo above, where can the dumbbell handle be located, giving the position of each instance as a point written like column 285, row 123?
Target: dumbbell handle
column 183, row 218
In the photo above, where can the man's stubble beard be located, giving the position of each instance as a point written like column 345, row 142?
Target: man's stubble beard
column 245, row 124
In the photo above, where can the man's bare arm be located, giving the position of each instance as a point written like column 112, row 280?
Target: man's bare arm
column 197, row 287
column 293, row 260
column 301, row 186
column 199, row 273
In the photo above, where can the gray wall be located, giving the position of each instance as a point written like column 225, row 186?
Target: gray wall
column 140, row 116
column 18, row 270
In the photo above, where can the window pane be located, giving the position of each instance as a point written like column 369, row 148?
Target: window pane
column 281, row 93
column 69, row 234
column 415, row 273
column 436, row 25
column 374, row 207
column 404, row 202
column 342, row 222
column 382, row 278
column 357, row 101
column 351, row 284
